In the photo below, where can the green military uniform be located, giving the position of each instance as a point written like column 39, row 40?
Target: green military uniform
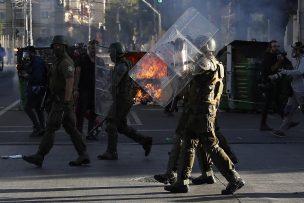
column 63, row 68
column 204, row 97
column 204, row 160
column 116, row 121
column 60, row 109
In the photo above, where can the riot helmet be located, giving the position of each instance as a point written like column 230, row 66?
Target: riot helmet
column 30, row 49
column 205, row 44
column 59, row 39
column 116, row 50
column 179, row 44
column 58, row 50
column 28, row 53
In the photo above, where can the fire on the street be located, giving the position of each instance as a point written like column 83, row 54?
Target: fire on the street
column 151, row 69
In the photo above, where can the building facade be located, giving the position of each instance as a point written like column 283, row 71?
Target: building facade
column 32, row 22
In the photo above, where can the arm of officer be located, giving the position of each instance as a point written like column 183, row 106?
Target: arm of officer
column 76, row 82
column 121, row 70
column 68, row 72
column 69, row 82
column 77, row 74
column 201, row 65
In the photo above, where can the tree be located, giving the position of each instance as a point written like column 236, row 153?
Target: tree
column 128, row 20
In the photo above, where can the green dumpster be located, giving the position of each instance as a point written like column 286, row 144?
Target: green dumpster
column 244, row 86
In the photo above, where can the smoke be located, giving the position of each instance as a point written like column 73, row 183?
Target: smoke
column 261, row 20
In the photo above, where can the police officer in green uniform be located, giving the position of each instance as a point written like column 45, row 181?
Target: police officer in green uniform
column 204, row 97
column 204, row 160
column 123, row 94
column 61, row 111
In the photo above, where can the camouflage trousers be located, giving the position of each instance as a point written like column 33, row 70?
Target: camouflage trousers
column 199, row 129
column 56, row 117
column 203, row 158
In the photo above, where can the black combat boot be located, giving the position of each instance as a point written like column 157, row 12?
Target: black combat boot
column 233, row 186
column 293, row 124
column 108, row 156
column 203, row 179
column 147, row 145
column 81, row 160
column 177, row 188
column 35, row 159
column 165, row 178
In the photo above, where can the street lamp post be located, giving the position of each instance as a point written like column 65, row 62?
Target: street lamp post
column 158, row 14
column 31, row 23
column 89, row 20
column 118, row 23
column 13, row 25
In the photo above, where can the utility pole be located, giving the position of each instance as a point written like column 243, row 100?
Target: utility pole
column 13, row 25
column 158, row 14
column 31, row 23
column 25, row 14
column 89, row 19
column 28, row 21
column 118, row 23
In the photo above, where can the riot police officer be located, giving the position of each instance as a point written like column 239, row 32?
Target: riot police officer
column 204, row 97
column 123, row 93
column 61, row 111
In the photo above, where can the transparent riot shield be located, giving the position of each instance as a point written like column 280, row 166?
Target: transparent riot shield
column 103, row 82
column 164, row 71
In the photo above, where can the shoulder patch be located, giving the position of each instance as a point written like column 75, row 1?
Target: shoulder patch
column 70, row 69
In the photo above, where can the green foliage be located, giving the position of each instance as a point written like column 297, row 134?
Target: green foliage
column 121, row 17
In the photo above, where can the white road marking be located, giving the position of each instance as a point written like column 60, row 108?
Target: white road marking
column 16, row 126
column 3, row 111
column 136, row 118
column 24, row 131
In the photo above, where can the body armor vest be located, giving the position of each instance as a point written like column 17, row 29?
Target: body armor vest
column 206, row 88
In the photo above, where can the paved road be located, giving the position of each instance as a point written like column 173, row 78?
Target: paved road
column 272, row 167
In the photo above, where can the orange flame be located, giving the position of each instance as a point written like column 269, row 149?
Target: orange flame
column 153, row 90
column 138, row 96
column 152, row 67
